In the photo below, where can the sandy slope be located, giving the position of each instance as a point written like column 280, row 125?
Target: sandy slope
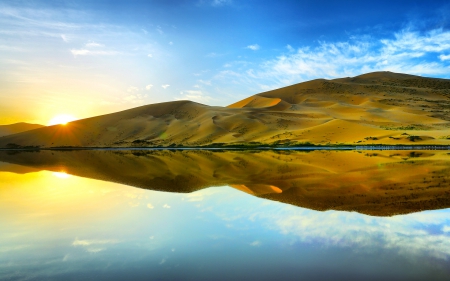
column 17, row 128
column 374, row 108
column 377, row 183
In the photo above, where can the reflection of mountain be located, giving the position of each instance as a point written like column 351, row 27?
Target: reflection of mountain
column 382, row 183
column 380, row 107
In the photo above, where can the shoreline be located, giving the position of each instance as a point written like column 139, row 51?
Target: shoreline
column 298, row 148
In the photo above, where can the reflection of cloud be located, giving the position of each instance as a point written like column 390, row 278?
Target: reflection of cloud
column 166, row 206
column 255, row 243
column 78, row 242
column 6, row 249
column 95, row 250
column 162, row 261
column 405, row 234
column 195, row 197
column 150, row 206
column 134, row 204
column 93, row 246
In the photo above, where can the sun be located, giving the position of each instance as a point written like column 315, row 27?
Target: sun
column 62, row 119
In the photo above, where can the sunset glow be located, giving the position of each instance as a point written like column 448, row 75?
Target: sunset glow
column 62, row 119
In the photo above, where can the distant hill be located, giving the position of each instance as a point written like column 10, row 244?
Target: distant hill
column 374, row 108
column 17, row 128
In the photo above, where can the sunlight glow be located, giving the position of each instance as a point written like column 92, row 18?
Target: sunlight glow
column 62, row 119
column 61, row 175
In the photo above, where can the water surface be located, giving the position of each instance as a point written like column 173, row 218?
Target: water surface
column 224, row 216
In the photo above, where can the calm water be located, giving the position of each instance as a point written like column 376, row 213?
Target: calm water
column 70, row 216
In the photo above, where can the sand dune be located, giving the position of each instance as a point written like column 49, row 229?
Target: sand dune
column 374, row 108
column 381, row 183
column 17, row 128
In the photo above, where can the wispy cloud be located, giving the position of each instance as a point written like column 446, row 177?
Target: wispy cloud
column 165, row 86
column 407, row 51
column 218, row 3
column 194, row 95
column 94, row 45
column 444, row 57
column 148, row 87
column 86, row 52
column 253, row 47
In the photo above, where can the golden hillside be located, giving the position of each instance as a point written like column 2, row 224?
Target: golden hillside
column 374, row 108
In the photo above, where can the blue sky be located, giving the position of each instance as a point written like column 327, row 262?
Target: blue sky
column 87, row 58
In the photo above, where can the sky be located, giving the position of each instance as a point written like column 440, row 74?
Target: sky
column 86, row 58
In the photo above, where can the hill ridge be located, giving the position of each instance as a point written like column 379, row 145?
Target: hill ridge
column 373, row 108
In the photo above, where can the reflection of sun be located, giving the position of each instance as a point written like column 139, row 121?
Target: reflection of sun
column 62, row 119
column 61, row 175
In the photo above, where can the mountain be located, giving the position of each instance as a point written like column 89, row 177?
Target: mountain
column 374, row 108
column 17, row 128
column 384, row 183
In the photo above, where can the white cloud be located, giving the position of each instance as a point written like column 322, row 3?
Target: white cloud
column 170, row 43
column 195, row 95
column 407, row 52
column 150, row 206
column 166, row 206
column 159, row 29
column 94, row 45
column 64, row 38
column 135, row 98
column 85, row 52
column 217, row 3
column 165, row 86
column 150, row 55
column 132, row 89
column 205, row 82
column 254, row 47
column 148, row 87
column 444, row 57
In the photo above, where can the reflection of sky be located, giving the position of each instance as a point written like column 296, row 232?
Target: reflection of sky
column 65, row 227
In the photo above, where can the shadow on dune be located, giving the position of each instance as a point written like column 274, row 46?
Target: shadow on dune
column 381, row 184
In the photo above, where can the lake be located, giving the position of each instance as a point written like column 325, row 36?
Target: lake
column 224, row 215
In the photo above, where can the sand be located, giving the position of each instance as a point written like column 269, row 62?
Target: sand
column 374, row 108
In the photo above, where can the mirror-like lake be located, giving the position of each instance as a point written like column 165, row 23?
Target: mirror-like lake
column 225, row 215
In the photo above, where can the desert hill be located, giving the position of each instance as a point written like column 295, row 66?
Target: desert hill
column 17, row 128
column 374, row 108
column 384, row 183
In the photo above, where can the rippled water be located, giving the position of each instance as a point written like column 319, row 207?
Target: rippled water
column 70, row 216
